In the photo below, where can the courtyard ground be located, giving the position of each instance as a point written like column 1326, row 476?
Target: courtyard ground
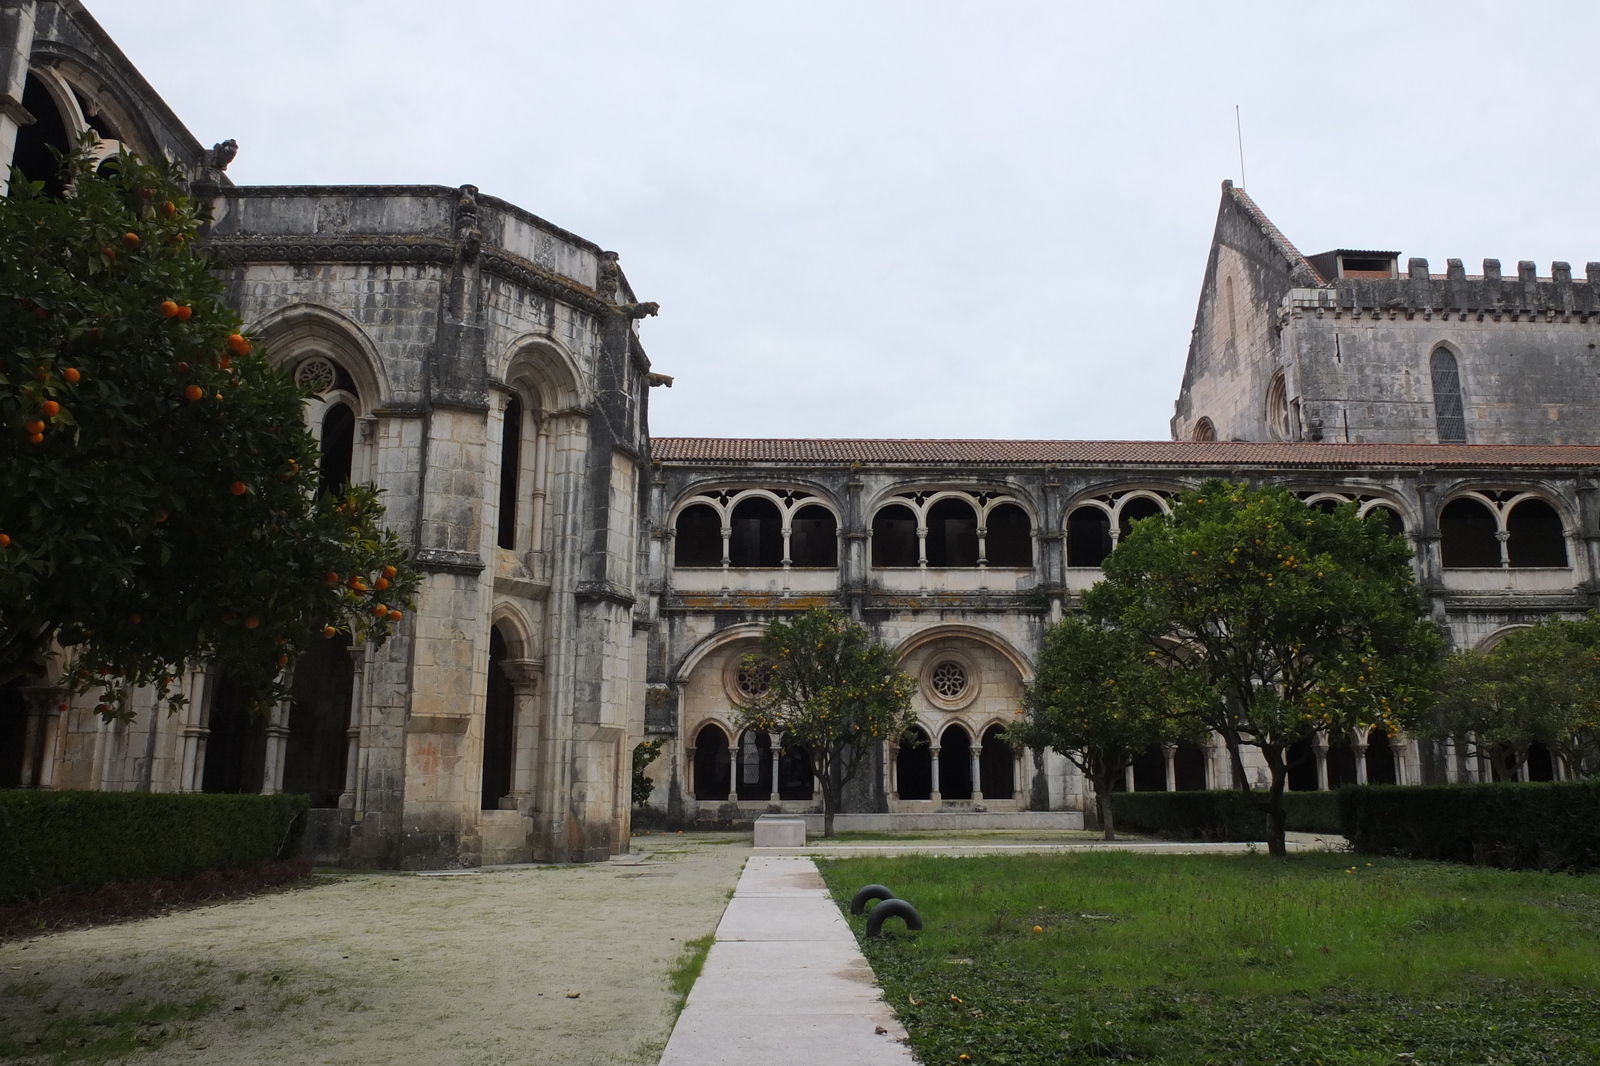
column 473, row 968
column 1243, row 960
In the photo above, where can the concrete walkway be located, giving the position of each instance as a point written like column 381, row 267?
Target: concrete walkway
column 785, row 983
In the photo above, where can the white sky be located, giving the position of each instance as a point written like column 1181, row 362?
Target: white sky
column 918, row 219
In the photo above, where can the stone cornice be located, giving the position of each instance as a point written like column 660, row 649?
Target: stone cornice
column 447, row 561
column 346, row 249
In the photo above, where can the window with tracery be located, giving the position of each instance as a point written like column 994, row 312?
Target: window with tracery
column 752, row 680
column 949, row 680
column 1449, row 413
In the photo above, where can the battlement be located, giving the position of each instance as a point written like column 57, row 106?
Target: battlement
column 1488, row 293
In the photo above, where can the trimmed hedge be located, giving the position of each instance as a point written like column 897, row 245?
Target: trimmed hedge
column 1220, row 814
column 51, row 841
column 1516, row 826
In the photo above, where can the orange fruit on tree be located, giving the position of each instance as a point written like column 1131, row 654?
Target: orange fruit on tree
column 109, row 252
column 183, row 368
column 239, row 488
column 145, row 194
column 5, row 541
column 161, row 516
column 36, row 438
column 131, row 240
column 50, row 408
column 239, row 345
column 168, row 208
column 169, row 308
column 194, row 392
column 329, row 631
column 184, row 311
column 389, row 571
column 252, row 622
column 395, row 616
column 380, row 611
column 381, row 584
column 35, row 426
column 283, row 660
column 71, row 375
column 331, row 578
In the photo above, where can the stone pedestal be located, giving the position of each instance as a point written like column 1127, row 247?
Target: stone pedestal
column 780, row 831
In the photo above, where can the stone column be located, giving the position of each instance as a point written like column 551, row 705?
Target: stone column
column 1401, row 751
column 1360, row 752
column 524, row 676
column 891, row 771
column 977, row 772
column 352, row 730
column 277, row 745
column 733, row 772
column 43, row 733
column 1127, row 777
column 1319, row 750
column 775, row 744
column 933, row 753
column 191, row 774
column 1171, row 752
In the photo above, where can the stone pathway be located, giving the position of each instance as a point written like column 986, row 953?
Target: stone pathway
column 785, row 983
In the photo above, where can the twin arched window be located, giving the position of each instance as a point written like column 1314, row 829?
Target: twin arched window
column 1090, row 535
column 1479, row 533
column 948, row 535
column 757, row 534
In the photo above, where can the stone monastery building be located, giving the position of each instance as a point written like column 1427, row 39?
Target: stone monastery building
column 589, row 588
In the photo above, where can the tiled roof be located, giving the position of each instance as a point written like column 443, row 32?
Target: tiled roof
column 1117, row 452
column 1274, row 234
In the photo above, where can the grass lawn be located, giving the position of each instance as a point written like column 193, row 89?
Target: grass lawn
column 1236, row 959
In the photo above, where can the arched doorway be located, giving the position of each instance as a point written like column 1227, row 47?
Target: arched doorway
column 499, row 727
column 1302, row 767
column 1380, row 758
column 236, row 748
column 319, row 715
column 711, row 777
column 755, row 765
column 795, row 779
column 1190, row 766
column 913, row 766
column 955, row 764
column 996, row 766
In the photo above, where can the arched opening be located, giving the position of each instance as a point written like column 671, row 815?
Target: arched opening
column 813, row 537
column 711, row 763
column 1392, row 522
column 955, row 764
column 1204, row 430
column 699, row 537
column 1008, row 540
column 795, row 778
column 894, row 536
column 1448, row 410
column 319, row 715
column 1190, row 765
column 1136, row 510
column 236, row 749
column 1341, row 763
column 510, row 471
column 1301, row 764
column 755, row 766
column 1541, row 766
column 499, row 726
column 952, row 534
column 1088, row 537
column 1277, row 411
column 1535, row 535
column 13, row 734
column 757, row 538
column 1380, row 758
column 34, row 155
column 338, row 449
column 913, row 766
column 1467, row 538
column 1326, row 505
column 1150, row 770
column 996, row 766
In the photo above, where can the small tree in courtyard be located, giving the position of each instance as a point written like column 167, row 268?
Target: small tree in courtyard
column 1540, row 685
column 158, row 485
column 832, row 689
column 1100, row 699
column 1281, row 619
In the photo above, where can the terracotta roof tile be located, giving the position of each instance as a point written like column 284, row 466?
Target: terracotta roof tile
column 1222, row 454
column 1274, row 234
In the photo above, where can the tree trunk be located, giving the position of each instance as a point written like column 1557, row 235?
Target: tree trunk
column 1277, row 817
column 1101, row 780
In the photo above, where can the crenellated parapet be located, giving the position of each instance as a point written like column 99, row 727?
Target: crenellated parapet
column 1490, row 294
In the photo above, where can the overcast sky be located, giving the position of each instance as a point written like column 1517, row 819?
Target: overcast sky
column 917, row 219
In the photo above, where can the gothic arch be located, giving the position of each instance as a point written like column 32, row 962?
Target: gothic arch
column 516, row 629
column 1492, row 641
column 977, row 634
column 547, row 373
column 721, row 638
column 291, row 333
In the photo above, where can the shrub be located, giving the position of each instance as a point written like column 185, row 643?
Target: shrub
column 1221, row 814
column 1545, row 826
column 51, row 841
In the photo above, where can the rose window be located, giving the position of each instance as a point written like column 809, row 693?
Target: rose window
column 752, row 680
column 316, row 374
column 949, row 680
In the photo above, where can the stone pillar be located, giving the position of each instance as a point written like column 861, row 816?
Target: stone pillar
column 1171, row 752
column 277, row 746
column 977, row 772
column 16, row 47
column 733, row 772
column 352, row 730
column 1402, row 753
column 191, row 773
column 776, row 747
column 891, row 771
column 1127, row 777
column 1360, row 752
column 43, row 734
column 524, row 676
column 1319, row 750
column 935, row 795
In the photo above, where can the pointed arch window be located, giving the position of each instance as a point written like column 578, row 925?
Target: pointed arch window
column 1448, row 410
column 510, row 461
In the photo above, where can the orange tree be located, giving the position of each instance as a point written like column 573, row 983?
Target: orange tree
column 832, row 689
column 158, row 502
column 1277, row 618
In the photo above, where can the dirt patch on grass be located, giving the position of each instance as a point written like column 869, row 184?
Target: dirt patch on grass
column 476, row 968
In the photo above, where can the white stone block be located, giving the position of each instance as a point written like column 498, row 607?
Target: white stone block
column 780, row 831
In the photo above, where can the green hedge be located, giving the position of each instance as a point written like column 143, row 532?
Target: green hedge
column 1220, row 814
column 1543, row 826
column 80, row 840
